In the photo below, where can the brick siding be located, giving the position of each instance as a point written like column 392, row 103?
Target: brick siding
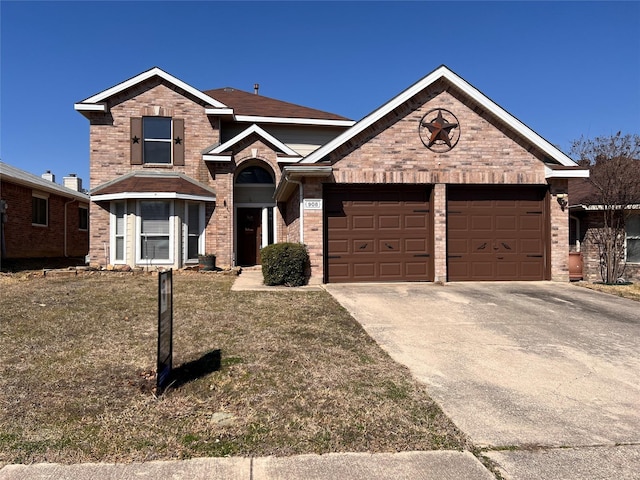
column 25, row 240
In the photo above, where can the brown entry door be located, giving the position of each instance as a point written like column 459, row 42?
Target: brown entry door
column 249, row 236
column 496, row 233
column 378, row 233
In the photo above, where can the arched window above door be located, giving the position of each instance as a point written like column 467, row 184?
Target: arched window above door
column 254, row 174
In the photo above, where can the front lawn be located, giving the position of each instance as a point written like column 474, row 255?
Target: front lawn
column 297, row 375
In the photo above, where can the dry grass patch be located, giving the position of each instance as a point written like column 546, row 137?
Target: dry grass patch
column 626, row 291
column 297, row 375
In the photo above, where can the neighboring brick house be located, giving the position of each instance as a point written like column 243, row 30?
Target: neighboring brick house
column 586, row 216
column 41, row 219
column 438, row 184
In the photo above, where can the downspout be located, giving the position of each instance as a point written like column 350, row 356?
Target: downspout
column 300, row 207
column 65, row 226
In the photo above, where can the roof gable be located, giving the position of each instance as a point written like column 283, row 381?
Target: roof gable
column 219, row 152
column 97, row 101
column 442, row 73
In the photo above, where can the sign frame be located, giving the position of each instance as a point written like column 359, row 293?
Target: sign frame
column 312, row 204
column 165, row 331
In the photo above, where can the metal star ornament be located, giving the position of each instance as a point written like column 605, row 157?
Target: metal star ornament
column 439, row 130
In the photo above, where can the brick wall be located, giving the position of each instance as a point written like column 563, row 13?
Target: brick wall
column 589, row 222
column 391, row 151
column 24, row 240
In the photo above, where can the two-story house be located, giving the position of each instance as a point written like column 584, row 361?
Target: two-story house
column 438, row 184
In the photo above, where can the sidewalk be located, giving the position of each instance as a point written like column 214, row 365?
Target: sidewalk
column 433, row 465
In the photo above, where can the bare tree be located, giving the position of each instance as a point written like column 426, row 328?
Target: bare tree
column 614, row 171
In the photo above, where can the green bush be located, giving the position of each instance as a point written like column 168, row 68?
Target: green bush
column 285, row 264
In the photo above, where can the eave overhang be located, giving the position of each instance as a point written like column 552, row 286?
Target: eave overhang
column 152, row 196
column 292, row 175
column 294, row 121
column 553, row 171
column 153, row 185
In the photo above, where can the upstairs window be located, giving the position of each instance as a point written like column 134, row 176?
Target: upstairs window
column 157, row 140
column 39, row 210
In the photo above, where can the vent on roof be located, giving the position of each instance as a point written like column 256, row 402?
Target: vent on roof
column 256, row 88
column 228, row 89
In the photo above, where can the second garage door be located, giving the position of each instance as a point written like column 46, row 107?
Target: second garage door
column 496, row 233
column 378, row 233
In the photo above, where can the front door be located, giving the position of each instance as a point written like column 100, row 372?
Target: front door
column 249, row 236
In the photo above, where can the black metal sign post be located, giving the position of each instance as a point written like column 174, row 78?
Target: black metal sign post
column 165, row 330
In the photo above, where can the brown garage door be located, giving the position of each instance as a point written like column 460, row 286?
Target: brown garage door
column 378, row 233
column 496, row 233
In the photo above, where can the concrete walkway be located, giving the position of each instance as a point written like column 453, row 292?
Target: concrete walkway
column 443, row 465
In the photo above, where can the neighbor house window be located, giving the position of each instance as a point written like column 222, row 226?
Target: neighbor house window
column 39, row 210
column 118, row 231
column 83, row 218
column 633, row 239
column 194, row 228
column 157, row 144
column 155, row 231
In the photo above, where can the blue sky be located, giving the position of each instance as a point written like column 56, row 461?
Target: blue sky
column 565, row 69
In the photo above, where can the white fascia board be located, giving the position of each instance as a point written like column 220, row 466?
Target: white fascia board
column 216, row 158
column 151, row 195
column 219, row 111
column 90, row 107
column 295, row 121
column 577, row 173
column 289, row 159
column 245, row 133
column 595, row 208
column 99, row 97
column 466, row 88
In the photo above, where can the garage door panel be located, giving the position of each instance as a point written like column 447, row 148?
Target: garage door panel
column 505, row 238
column 415, row 221
column 339, row 246
column 388, row 233
column 481, row 222
column 416, row 245
column 360, row 246
column 389, row 221
column 362, row 222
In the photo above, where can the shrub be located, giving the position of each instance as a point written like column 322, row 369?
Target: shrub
column 285, row 264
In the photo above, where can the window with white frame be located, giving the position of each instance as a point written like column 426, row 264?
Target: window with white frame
column 40, row 210
column 633, row 238
column 118, row 232
column 154, row 226
column 157, row 136
column 83, row 217
column 194, row 228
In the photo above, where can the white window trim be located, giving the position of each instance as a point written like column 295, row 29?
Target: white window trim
column 138, row 250
column 632, row 237
column 112, row 235
column 185, row 228
column 159, row 140
column 45, row 197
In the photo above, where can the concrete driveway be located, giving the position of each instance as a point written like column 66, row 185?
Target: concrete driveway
column 522, row 368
